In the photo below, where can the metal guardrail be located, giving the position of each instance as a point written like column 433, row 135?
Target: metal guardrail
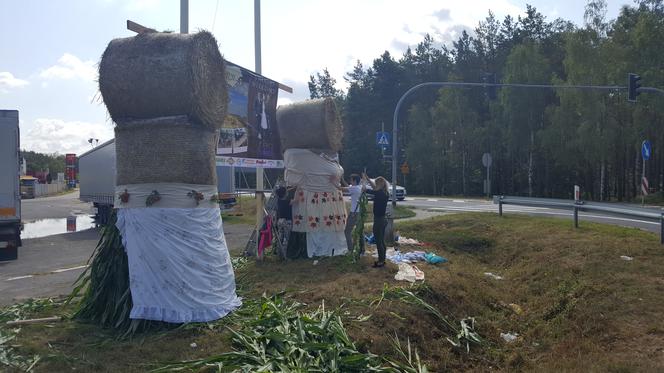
column 651, row 214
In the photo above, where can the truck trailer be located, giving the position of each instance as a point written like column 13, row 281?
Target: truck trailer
column 10, row 195
column 96, row 176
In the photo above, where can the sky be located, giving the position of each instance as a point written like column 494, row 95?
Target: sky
column 51, row 49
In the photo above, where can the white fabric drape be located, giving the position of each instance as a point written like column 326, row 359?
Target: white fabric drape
column 313, row 172
column 326, row 244
column 179, row 267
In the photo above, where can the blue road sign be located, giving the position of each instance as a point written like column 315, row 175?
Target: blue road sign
column 646, row 150
column 382, row 139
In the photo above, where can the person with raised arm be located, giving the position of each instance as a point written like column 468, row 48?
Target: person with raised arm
column 379, row 190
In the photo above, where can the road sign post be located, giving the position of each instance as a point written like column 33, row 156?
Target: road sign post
column 486, row 161
column 577, row 193
column 646, row 152
column 577, row 200
column 405, row 170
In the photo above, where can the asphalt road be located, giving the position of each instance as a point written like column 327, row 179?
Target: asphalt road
column 60, row 206
column 478, row 205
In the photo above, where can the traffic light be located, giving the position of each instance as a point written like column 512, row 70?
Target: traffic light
column 633, row 85
column 490, row 78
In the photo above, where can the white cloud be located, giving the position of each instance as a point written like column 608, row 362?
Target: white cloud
column 71, row 67
column 55, row 135
column 135, row 5
column 364, row 34
column 281, row 101
column 8, row 80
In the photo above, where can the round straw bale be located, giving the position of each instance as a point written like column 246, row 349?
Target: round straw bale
column 165, row 150
column 310, row 124
column 164, row 74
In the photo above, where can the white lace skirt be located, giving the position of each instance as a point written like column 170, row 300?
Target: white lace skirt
column 179, row 267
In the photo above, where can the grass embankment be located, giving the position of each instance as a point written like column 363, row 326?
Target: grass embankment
column 574, row 303
column 656, row 198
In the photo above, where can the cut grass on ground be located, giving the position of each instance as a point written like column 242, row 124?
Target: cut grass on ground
column 580, row 306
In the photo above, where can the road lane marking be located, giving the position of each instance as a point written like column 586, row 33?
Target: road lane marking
column 68, row 269
column 544, row 213
column 485, row 208
column 18, row 277
column 60, row 270
column 432, row 200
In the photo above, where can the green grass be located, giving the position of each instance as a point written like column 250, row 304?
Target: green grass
column 581, row 307
column 243, row 213
column 652, row 199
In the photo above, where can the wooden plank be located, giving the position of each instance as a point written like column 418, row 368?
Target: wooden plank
column 285, row 88
column 140, row 29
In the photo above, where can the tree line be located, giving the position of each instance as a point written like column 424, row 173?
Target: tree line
column 40, row 162
column 544, row 141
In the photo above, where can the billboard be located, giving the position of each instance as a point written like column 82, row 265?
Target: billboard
column 250, row 128
column 70, row 169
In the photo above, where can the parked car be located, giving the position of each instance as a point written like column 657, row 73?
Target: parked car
column 401, row 193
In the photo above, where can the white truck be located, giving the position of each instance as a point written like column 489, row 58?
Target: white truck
column 10, row 195
column 96, row 175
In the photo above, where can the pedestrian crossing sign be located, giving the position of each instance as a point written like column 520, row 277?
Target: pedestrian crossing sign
column 382, row 139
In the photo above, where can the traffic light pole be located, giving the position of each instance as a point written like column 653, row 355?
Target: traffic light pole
column 652, row 90
column 395, row 128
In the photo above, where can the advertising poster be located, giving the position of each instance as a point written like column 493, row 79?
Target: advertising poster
column 70, row 169
column 250, row 129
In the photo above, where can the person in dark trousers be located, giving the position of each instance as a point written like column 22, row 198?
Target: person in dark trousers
column 355, row 191
column 381, row 196
column 284, row 218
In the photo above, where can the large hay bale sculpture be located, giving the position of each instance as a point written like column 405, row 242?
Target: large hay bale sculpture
column 163, row 74
column 313, row 124
column 162, row 150
column 167, row 95
column 311, row 134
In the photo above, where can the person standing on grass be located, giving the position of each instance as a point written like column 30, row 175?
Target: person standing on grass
column 284, row 218
column 381, row 196
column 355, row 190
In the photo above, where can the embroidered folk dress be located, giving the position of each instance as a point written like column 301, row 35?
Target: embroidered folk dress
column 318, row 208
column 319, row 211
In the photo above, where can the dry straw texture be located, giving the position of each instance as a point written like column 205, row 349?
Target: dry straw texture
column 310, row 124
column 165, row 150
column 164, row 74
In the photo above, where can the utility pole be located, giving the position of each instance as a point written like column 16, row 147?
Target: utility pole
column 184, row 16
column 257, row 36
column 260, row 197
